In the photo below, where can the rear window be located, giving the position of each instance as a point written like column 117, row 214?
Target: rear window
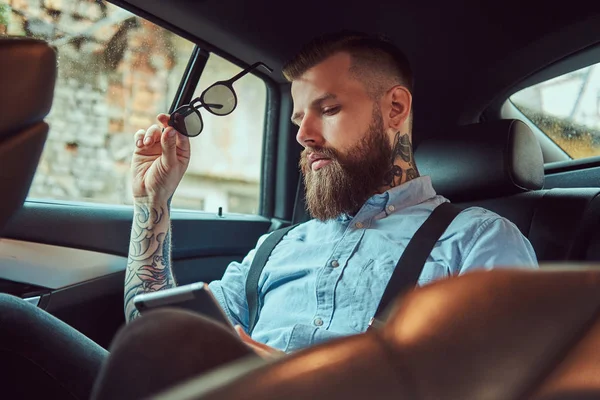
column 567, row 110
column 116, row 72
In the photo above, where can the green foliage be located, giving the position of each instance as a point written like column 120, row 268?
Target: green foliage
column 5, row 12
column 578, row 141
column 555, row 126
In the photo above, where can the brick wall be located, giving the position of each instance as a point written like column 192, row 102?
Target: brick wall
column 116, row 73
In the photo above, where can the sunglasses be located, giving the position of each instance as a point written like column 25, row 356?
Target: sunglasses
column 218, row 99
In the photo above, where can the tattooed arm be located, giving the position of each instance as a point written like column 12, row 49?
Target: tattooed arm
column 159, row 161
column 149, row 264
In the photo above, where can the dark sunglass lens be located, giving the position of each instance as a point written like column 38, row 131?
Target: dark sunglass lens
column 193, row 124
column 187, row 121
column 219, row 99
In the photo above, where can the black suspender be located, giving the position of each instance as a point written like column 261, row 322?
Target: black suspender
column 258, row 264
column 409, row 267
column 405, row 276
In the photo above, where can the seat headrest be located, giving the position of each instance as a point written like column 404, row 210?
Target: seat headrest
column 27, row 77
column 485, row 160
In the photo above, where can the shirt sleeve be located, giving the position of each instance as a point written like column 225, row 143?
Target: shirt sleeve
column 230, row 290
column 498, row 243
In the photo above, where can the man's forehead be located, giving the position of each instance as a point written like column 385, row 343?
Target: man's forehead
column 330, row 76
column 328, row 72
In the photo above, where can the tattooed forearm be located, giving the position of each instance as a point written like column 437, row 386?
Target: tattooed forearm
column 403, row 167
column 148, row 265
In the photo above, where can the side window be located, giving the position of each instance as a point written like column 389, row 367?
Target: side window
column 567, row 110
column 116, row 72
column 225, row 166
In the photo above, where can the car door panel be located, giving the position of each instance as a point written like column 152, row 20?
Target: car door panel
column 106, row 229
column 74, row 257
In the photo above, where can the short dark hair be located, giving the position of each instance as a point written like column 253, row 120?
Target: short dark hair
column 374, row 58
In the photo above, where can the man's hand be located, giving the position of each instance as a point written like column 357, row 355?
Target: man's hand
column 261, row 349
column 159, row 161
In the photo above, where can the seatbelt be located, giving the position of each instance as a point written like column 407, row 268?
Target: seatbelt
column 264, row 251
column 410, row 266
column 256, row 268
column 406, row 274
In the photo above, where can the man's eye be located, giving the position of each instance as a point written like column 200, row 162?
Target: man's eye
column 331, row 111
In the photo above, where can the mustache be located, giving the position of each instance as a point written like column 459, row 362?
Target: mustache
column 325, row 152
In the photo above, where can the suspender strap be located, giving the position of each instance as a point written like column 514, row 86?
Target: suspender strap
column 258, row 264
column 405, row 276
column 411, row 263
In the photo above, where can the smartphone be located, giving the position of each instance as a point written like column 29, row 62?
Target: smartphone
column 195, row 297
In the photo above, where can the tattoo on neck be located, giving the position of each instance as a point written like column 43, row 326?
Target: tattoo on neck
column 402, row 153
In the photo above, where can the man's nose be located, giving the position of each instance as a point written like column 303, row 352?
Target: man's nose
column 309, row 133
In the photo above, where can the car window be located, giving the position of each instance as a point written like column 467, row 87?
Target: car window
column 567, row 110
column 116, row 72
column 224, row 169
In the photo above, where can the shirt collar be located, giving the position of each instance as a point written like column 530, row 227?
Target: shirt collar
column 400, row 197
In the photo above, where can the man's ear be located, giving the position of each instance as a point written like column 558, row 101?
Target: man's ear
column 398, row 105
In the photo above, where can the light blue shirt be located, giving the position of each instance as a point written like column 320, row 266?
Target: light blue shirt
column 325, row 279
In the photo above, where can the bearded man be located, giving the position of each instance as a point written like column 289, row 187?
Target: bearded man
column 352, row 98
column 324, row 279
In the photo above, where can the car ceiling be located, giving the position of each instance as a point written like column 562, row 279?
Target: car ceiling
column 463, row 52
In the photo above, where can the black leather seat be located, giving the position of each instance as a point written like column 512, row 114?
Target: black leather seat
column 27, row 77
column 560, row 223
column 498, row 165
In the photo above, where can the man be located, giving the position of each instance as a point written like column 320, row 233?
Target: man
column 353, row 108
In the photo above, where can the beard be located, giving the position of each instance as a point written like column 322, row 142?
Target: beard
column 351, row 178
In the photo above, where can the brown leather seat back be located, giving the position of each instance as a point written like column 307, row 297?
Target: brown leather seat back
column 502, row 334
column 27, row 78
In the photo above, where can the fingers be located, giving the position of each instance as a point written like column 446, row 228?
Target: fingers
column 163, row 119
column 146, row 138
column 183, row 142
column 138, row 138
column 241, row 333
column 152, row 135
column 162, row 133
column 168, row 142
column 248, row 340
column 261, row 353
column 261, row 349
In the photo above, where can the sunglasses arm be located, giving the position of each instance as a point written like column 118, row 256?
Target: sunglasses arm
column 249, row 69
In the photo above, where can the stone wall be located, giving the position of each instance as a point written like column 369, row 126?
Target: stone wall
column 116, row 73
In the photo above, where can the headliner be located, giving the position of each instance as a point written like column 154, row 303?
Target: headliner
column 463, row 52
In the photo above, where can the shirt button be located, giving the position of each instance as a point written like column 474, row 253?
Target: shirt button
column 318, row 322
column 335, row 264
column 391, row 208
column 359, row 225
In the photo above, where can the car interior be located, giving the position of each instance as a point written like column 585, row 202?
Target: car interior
column 500, row 334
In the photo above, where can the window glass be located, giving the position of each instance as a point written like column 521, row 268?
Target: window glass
column 116, row 72
column 567, row 109
column 225, row 166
